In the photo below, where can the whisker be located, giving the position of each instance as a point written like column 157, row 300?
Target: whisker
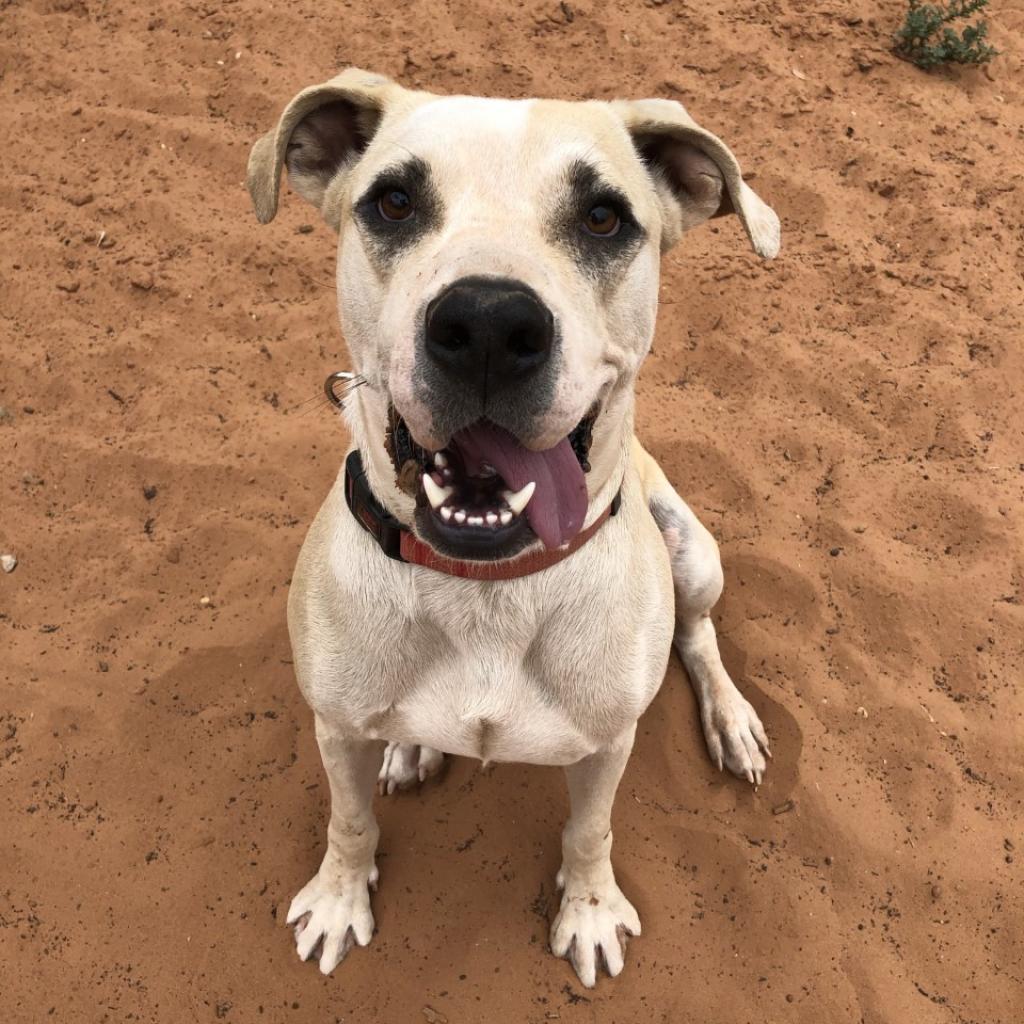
column 317, row 406
column 316, row 399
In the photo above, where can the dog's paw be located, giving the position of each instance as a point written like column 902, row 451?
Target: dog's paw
column 405, row 765
column 328, row 921
column 591, row 927
column 734, row 734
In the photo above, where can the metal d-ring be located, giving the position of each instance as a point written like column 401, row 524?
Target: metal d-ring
column 351, row 380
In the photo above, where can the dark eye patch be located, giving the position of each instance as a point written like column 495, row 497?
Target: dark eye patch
column 601, row 257
column 387, row 239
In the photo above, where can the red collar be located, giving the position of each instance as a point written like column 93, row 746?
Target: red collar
column 398, row 542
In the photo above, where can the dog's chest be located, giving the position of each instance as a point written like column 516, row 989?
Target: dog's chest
column 510, row 684
column 491, row 713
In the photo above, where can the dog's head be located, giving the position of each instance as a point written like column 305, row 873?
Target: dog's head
column 498, row 283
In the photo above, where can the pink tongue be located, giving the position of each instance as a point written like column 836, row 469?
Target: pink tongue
column 559, row 504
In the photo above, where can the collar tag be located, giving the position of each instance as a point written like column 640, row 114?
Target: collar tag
column 340, row 384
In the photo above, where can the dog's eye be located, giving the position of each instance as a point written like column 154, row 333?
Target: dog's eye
column 602, row 221
column 395, row 205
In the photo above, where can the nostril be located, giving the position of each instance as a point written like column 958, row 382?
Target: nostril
column 452, row 338
column 525, row 342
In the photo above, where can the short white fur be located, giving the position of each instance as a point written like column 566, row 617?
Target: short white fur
column 399, row 662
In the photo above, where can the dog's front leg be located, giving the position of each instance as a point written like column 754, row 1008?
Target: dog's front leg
column 333, row 910
column 595, row 917
column 733, row 732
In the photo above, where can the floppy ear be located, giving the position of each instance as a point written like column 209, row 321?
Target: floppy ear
column 322, row 131
column 696, row 175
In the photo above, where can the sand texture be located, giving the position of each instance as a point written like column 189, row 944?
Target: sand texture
column 846, row 420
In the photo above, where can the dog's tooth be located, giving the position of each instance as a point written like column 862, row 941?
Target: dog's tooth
column 505, row 517
column 435, row 495
column 446, row 513
column 460, row 516
column 439, row 460
column 475, row 520
column 521, row 498
column 492, row 518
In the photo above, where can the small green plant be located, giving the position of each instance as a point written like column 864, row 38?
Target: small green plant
column 926, row 40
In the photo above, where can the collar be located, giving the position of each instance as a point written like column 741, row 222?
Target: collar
column 398, row 542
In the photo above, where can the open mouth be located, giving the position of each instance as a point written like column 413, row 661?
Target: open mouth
column 487, row 496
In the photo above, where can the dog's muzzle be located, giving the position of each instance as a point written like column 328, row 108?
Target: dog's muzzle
column 488, row 334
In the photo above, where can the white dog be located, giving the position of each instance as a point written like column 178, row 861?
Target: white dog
column 501, row 568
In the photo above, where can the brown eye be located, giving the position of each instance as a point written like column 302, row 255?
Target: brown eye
column 602, row 221
column 395, row 205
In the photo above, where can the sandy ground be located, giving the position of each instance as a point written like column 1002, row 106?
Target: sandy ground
column 847, row 420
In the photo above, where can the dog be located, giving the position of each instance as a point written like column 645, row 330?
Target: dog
column 501, row 569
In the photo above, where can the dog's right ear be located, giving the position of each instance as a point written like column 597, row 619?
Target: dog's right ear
column 696, row 171
column 321, row 132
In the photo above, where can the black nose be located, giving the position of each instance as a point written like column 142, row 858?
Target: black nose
column 489, row 332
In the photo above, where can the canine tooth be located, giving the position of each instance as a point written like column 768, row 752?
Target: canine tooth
column 518, row 501
column 439, row 460
column 475, row 520
column 435, row 495
column 460, row 516
column 505, row 517
column 492, row 518
column 446, row 513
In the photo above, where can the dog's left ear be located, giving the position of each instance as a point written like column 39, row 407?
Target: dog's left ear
column 695, row 174
column 321, row 132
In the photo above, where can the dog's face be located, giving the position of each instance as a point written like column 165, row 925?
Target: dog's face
column 497, row 283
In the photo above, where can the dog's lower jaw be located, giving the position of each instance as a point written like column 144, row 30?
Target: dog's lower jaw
column 473, row 542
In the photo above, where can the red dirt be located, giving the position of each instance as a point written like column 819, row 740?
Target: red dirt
column 846, row 420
